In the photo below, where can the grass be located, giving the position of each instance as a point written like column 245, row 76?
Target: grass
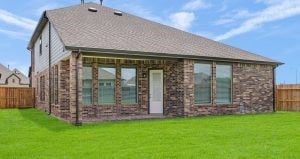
column 30, row 133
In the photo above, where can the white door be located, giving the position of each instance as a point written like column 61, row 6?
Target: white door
column 156, row 92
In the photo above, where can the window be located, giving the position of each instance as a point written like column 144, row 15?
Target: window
column 0, row 75
column 56, row 84
column 87, row 85
column 106, row 82
column 42, row 88
column 129, row 89
column 224, row 78
column 41, row 45
column 202, row 83
column 52, row 86
column 13, row 81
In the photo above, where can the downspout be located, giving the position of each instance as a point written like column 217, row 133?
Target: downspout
column 274, row 88
column 77, row 122
column 50, row 79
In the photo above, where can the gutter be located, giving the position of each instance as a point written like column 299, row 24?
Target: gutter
column 77, row 122
column 50, row 78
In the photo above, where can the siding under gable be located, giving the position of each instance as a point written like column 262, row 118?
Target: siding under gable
column 41, row 61
column 57, row 50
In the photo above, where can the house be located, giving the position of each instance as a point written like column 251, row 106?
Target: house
column 12, row 78
column 152, row 68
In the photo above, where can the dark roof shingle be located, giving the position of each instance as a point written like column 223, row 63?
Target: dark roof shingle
column 81, row 28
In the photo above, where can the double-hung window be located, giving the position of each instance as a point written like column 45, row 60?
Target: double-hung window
column 202, row 83
column 106, row 84
column 87, row 85
column 224, row 80
column 41, row 45
column 129, row 85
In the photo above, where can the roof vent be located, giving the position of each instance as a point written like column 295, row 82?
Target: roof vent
column 91, row 9
column 119, row 13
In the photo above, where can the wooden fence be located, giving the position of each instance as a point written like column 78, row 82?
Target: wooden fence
column 288, row 97
column 16, row 97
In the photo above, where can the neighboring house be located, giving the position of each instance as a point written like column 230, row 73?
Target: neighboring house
column 156, row 69
column 12, row 78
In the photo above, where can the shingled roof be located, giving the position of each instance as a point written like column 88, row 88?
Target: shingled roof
column 79, row 28
column 6, row 72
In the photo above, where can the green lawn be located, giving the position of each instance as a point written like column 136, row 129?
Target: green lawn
column 32, row 134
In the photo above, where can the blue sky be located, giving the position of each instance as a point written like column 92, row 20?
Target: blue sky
column 267, row 27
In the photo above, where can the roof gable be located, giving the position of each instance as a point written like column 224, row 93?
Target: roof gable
column 6, row 73
column 80, row 28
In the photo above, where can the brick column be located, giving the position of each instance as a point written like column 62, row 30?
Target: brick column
column 118, row 93
column 73, row 87
column 95, row 82
column 214, row 84
column 188, row 86
column 64, row 84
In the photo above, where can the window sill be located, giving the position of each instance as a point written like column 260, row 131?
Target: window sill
column 106, row 104
column 223, row 104
column 203, row 105
column 129, row 104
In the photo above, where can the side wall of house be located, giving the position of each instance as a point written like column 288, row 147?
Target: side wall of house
column 40, row 68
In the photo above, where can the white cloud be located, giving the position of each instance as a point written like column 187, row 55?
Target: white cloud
column 194, row 5
column 15, row 34
column 140, row 11
column 182, row 20
column 233, row 17
column 19, row 21
column 268, row 1
column 275, row 11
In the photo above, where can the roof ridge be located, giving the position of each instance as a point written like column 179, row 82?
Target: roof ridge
column 71, row 6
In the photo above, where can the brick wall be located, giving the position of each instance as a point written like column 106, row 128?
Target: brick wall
column 252, row 89
column 173, row 91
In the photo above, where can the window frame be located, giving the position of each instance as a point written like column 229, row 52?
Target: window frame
column 231, row 83
column 42, row 89
column 56, row 85
column 41, row 45
column 104, row 84
column 92, row 101
column 136, row 84
column 211, row 83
